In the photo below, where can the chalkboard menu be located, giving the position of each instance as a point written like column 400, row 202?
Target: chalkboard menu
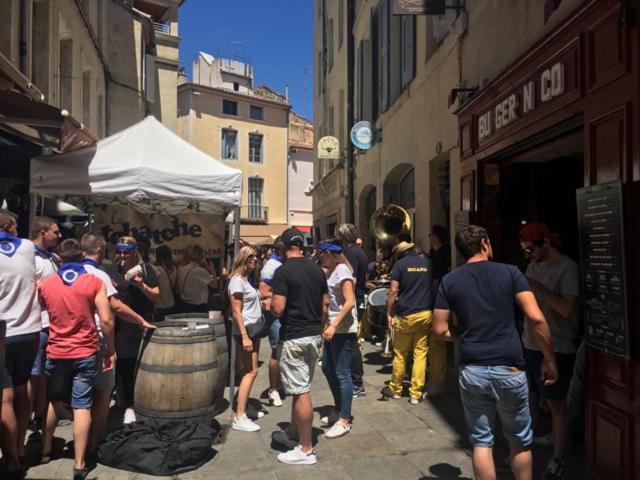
column 602, row 255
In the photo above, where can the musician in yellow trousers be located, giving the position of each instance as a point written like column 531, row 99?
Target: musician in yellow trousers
column 409, row 314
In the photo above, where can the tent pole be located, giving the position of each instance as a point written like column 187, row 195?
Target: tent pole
column 232, row 360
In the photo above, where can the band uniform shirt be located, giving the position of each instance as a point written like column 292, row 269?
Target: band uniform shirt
column 19, row 304
column 413, row 274
column 45, row 267
column 561, row 278
column 339, row 275
column 482, row 296
column 304, row 284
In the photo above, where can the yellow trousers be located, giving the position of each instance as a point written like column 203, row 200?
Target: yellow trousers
column 411, row 335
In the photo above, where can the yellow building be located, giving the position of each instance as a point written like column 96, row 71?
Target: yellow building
column 246, row 128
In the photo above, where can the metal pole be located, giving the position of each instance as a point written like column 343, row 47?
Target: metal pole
column 232, row 360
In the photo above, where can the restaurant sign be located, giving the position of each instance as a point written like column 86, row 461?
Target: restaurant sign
column 549, row 85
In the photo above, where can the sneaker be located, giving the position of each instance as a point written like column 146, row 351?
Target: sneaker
column 129, row 416
column 544, row 441
column 337, row 430
column 415, row 401
column 281, row 438
column 388, row 393
column 555, row 470
column 244, row 424
column 296, row 456
column 359, row 391
column 274, row 398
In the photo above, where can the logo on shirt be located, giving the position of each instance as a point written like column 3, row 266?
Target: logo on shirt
column 7, row 248
column 417, row 269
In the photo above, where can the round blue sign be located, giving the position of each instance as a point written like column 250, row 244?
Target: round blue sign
column 363, row 135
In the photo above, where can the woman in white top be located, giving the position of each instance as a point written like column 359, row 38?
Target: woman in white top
column 339, row 334
column 194, row 279
column 245, row 309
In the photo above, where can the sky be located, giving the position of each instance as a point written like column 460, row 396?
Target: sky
column 275, row 36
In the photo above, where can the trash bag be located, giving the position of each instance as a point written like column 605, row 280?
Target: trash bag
column 158, row 449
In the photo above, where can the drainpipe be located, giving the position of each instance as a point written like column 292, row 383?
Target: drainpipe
column 350, row 211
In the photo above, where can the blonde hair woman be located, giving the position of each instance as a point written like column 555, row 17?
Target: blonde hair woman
column 246, row 310
column 137, row 290
column 339, row 334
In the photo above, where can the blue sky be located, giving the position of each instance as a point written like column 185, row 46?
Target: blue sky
column 275, row 36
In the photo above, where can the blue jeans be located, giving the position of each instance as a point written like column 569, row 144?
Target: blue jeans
column 486, row 390
column 336, row 366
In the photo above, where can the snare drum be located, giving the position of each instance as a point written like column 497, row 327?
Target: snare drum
column 377, row 306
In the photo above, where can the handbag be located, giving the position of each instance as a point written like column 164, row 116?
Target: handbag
column 257, row 330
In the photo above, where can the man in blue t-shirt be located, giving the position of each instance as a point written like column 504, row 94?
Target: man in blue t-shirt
column 492, row 377
column 409, row 314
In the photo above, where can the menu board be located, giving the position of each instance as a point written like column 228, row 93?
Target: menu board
column 602, row 255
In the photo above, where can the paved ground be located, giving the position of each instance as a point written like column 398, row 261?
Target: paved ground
column 390, row 440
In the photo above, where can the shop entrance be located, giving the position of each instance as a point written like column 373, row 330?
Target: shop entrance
column 533, row 185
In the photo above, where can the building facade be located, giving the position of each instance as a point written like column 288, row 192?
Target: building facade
column 300, row 173
column 247, row 129
column 74, row 71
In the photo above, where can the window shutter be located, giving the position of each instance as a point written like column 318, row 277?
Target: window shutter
column 384, row 56
column 408, row 49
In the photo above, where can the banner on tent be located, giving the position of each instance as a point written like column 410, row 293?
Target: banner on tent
column 177, row 232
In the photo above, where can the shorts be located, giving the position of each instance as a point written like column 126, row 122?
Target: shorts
column 20, row 353
column 487, row 390
column 38, row 365
column 274, row 329
column 297, row 363
column 557, row 390
column 72, row 376
column 104, row 380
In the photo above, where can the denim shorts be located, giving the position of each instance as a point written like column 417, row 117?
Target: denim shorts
column 73, row 378
column 487, row 390
column 274, row 329
column 298, row 362
column 41, row 357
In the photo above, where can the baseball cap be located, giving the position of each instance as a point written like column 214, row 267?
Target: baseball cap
column 292, row 237
column 533, row 232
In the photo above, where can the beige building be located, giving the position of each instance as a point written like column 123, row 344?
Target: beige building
column 404, row 68
column 246, row 128
column 300, row 172
column 74, row 71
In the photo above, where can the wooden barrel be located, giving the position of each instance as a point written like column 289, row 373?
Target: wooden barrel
column 178, row 373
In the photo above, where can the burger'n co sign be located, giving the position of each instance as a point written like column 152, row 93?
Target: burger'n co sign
column 548, row 86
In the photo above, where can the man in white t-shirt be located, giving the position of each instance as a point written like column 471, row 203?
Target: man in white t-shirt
column 45, row 235
column 20, row 309
column 93, row 250
column 193, row 281
column 266, row 292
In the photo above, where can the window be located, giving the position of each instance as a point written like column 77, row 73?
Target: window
column 256, row 113
column 340, row 23
column 229, row 144
column 255, row 148
column 256, row 186
column 330, row 46
column 229, row 107
column 383, row 48
column 65, row 75
column 86, row 98
column 407, row 42
column 236, row 86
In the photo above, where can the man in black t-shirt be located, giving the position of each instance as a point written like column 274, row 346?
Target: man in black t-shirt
column 300, row 300
column 409, row 315
column 348, row 236
column 492, row 378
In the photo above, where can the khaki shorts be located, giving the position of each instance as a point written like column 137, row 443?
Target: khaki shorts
column 297, row 363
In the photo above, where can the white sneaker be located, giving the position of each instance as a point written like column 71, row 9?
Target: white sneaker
column 324, row 421
column 244, row 424
column 260, row 414
column 274, row 398
column 337, row 430
column 129, row 416
column 298, row 457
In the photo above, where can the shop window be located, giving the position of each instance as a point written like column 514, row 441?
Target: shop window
column 229, row 107
column 229, row 144
column 255, row 147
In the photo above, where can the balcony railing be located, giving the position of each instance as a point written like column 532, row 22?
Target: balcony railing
column 162, row 27
column 254, row 214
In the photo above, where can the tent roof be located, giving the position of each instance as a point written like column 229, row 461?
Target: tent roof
column 146, row 166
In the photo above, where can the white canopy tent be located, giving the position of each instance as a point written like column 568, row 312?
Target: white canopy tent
column 145, row 166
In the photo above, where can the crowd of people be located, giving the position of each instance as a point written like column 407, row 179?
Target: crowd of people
column 75, row 321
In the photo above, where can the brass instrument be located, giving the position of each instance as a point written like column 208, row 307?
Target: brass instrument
column 387, row 224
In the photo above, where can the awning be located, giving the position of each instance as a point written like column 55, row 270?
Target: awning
column 303, row 229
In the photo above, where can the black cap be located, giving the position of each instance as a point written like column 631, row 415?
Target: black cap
column 292, row 237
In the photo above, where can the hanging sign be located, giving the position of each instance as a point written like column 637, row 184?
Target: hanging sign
column 364, row 135
column 329, row 148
